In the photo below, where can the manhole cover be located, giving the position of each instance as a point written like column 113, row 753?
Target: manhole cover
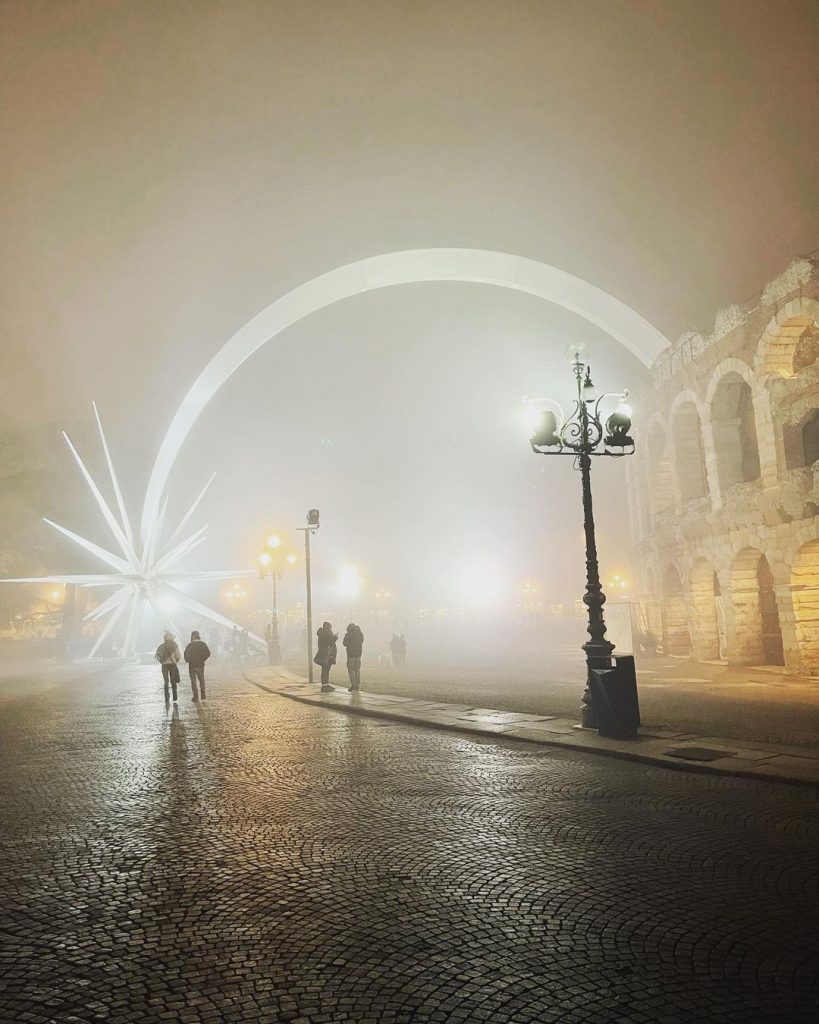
column 700, row 753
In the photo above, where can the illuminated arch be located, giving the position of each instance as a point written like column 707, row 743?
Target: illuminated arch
column 477, row 266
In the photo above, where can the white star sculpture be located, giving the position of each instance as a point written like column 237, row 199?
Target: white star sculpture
column 141, row 577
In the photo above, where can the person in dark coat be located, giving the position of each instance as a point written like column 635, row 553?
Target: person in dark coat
column 196, row 654
column 326, row 653
column 167, row 654
column 354, row 642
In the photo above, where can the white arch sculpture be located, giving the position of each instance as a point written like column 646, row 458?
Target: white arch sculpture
column 477, row 266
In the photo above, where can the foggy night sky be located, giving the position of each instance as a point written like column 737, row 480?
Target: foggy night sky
column 170, row 168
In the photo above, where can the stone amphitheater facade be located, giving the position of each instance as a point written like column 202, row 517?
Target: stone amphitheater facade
column 725, row 485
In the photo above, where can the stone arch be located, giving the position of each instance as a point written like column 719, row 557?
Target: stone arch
column 790, row 342
column 676, row 637
column 733, row 423
column 705, row 612
column 757, row 631
column 805, row 596
column 660, row 470
column 688, row 448
column 478, row 266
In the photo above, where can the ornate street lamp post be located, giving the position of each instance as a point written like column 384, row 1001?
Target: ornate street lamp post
column 583, row 435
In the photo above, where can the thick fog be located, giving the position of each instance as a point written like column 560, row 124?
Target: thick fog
column 173, row 169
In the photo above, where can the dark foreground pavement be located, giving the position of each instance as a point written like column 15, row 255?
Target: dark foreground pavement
column 254, row 859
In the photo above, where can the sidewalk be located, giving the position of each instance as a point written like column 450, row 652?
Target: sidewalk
column 677, row 750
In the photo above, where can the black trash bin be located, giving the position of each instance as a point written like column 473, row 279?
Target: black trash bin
column 614, row 699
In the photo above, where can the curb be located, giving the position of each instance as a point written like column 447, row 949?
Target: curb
column 635, row 757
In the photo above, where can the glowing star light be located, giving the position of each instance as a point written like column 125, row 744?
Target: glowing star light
column 142, row 572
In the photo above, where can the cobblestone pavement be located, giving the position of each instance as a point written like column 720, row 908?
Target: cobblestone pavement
column 253, row 859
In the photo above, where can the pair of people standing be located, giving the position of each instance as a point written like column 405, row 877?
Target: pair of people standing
column 196, row 654
column 327, row 653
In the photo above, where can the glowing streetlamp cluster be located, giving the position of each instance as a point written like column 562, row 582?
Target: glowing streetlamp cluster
column 270, row 564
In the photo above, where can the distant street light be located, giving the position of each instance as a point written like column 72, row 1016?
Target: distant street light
column 349, row 582
column 270, row 565
column 530, row 601
column 618, row 583
column 581, row 436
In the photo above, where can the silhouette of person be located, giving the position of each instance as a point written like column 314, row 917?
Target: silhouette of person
column 196, row 654
column 326, row 652
column 168, row 655
column 354, row 642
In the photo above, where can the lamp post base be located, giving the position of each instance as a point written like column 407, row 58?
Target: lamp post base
column 274, row 653
column 598, row 655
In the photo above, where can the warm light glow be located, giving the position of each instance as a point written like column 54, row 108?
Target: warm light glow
column 291, row 559
column 349, row 582
column 56, row 595
column 273, row 541
column 265, row 558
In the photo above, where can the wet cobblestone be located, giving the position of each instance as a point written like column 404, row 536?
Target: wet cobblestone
column 253, row 859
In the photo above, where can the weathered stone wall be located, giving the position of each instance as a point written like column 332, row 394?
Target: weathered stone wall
column 726, row 484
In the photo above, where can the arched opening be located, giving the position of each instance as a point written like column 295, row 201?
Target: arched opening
column 757, row 631
column 689, row 457
column 810, row 438
column 705, row 594
column 805, row 590
column 676, row 638
column 807, row 349
column 660, row 477
column 772, row 649
column 732, row 417
column 802, row 441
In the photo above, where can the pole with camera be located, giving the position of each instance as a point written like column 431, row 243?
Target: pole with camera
column 311, row 528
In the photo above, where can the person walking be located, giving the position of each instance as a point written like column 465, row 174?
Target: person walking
column 196, row 654
column 354, row 642
column 326, row 653
column 168, row 655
